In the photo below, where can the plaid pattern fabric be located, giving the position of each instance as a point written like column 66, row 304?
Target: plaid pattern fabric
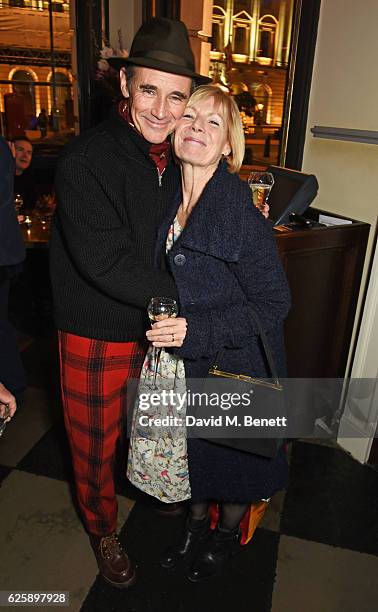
column 94, row 375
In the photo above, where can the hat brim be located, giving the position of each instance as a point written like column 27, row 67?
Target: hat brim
column 119, row 62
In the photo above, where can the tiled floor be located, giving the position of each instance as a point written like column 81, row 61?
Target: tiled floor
column 315, row 551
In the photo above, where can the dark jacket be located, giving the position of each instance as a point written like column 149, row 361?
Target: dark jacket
column 12, row 253
column 104, row 233
column 225, row 258
column 12, row 248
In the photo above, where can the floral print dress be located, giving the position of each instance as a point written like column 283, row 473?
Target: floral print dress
column 157, row 460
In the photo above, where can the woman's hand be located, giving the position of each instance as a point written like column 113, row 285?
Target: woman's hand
column 265, row 210
column 168, row 333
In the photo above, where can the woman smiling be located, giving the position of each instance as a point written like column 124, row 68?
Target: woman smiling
column 224, row 259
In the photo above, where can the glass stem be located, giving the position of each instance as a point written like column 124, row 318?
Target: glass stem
column 157, row 352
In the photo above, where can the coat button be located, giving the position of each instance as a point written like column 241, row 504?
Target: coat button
column 179, row 259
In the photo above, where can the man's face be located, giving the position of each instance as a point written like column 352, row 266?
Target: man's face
column 24, row 152
column 157, row 101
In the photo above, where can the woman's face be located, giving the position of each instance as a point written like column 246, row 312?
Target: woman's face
column 201, row 135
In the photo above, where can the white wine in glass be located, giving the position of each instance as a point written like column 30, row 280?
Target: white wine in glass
column 260, row 184
column 18, row 203
column 158, row 309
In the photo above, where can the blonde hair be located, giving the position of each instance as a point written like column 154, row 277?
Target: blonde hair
column 230, row 112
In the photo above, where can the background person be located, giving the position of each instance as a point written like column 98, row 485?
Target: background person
column 12, row 254
column 113, row 186
column 42, row 121
column 224, row 260
column 24, row 179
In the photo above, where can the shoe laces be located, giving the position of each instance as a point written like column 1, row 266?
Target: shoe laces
column 111, row 546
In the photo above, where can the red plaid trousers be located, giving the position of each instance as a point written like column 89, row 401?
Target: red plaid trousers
column 94, row 376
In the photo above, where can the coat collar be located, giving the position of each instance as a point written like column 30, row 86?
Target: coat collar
column 216, row 223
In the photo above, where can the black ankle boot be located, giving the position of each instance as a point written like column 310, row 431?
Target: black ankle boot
column 221, row 546
column 194, row 533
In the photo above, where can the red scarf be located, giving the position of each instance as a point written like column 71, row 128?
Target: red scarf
column 159, row 153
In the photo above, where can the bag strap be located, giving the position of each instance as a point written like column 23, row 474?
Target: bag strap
column 264, row 342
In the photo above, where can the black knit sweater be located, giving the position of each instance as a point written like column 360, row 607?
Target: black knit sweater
column 110, row 206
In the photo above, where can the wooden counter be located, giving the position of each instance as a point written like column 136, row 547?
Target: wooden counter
column 324, row 268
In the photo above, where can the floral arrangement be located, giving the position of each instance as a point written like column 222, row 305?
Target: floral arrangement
column 105, row 75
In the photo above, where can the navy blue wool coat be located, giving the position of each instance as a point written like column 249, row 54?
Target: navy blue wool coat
column 225, row 258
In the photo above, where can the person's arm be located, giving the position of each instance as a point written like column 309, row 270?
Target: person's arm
column 8, row 404
column 101, row 246
column 263, row 281
column 6, row 172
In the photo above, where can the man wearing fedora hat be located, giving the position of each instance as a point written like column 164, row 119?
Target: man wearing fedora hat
column 113, row 185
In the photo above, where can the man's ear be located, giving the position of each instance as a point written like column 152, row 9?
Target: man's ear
column 123, row 81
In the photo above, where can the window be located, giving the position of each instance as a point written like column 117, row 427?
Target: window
column 255, row 66
column 241, row 30
column 266, row 43
column 218, row 42
column 57, row 7
column 217, row 37
column 241, row 39
column 267, row 36
column 26, row 66
column 23, row 85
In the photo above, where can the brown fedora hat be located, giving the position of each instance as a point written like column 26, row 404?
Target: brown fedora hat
column 162, row 44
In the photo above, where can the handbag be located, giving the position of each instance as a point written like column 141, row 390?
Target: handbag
column 263, row 419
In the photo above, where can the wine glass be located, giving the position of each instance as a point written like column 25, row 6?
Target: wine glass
column 158, row 309
column 260, row 184
column 18, row 204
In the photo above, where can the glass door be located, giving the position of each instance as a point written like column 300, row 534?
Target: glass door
column 262, row 52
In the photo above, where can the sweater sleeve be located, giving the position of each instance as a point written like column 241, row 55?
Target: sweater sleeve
column 101, row 247
column 262, row 279
column 6, row 169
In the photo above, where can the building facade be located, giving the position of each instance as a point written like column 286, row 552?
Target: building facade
column 35, row 65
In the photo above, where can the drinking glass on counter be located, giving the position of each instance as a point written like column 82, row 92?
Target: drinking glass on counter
column 18, row 204
column 261, row 184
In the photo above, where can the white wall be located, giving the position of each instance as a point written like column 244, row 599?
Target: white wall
column 344, row 94
column 127, row 15
column 360, row 416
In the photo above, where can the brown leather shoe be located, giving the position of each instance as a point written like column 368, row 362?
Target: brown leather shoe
column 114, row 564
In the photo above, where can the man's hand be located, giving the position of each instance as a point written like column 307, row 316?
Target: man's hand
column 6, row 397
column 168, row 333
column 12, row 147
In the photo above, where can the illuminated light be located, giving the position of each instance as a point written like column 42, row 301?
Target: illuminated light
column 264, row 61
column 216, row 55
column 240, row 58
